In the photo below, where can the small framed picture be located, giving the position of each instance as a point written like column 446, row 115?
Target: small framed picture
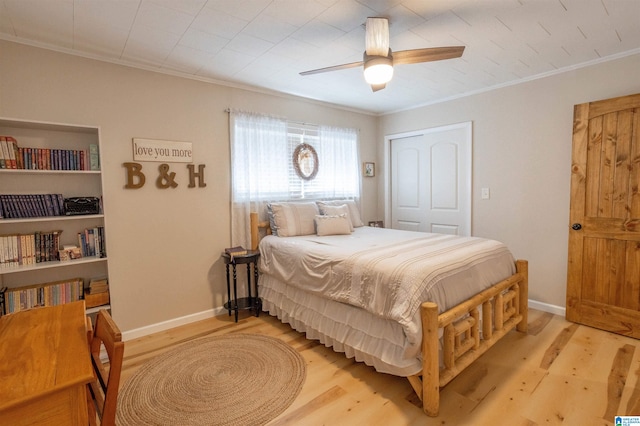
column 369, row 169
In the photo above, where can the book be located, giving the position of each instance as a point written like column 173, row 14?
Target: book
column 235, row 251
column 94, row 157
column 94, row 289
column 98, row 285
column 91, row 241
column 3, row 149
column 12, row 147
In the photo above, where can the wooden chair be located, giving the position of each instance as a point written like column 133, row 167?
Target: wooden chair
column 89, row 331
column 102, row 393
column 90, row 402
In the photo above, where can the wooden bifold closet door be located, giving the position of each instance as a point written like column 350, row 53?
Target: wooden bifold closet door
column 603, row 283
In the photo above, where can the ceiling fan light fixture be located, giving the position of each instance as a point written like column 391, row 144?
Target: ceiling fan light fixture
column 378, row 69
column 378, row 59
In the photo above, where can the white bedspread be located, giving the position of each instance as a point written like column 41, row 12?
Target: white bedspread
column 388, row 273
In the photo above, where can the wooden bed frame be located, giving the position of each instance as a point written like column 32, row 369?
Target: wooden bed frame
column 494, row 311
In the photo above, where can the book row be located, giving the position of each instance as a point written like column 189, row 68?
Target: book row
column 15, row 206
column 48, row 294
column 29, row 249
column 91, row 242
column 13, row 156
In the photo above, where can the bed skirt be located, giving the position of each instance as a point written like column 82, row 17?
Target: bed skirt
column 355, row 332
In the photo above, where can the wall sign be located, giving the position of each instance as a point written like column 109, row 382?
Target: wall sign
column 166, row 178
column 165, row 152
column 162, row 151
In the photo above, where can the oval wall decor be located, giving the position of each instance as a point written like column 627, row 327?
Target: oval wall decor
column 305, row 161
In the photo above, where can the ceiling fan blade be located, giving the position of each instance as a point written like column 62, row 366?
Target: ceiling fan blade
column 377, row 37
column 429, row 54
column 333, row 68
column 376, row 87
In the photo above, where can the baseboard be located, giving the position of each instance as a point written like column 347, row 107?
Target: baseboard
column 176, row 322
column 545, row 307
column 172, row 323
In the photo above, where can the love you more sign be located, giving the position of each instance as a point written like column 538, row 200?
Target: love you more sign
column 162, row 151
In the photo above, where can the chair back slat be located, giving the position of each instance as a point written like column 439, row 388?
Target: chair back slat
column 104, row 388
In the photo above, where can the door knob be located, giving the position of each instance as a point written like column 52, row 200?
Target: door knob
column 576, row 226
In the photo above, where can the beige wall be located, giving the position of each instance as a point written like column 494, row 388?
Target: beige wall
column 164, row 245
column 522, row 152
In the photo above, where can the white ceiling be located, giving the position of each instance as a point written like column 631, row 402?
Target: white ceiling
column 266, row 43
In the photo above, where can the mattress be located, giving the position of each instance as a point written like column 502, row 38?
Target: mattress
column 361, row 293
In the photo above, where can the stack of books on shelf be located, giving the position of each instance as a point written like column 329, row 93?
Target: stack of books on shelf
column 16, row 206
column 47, row 294
column 13, row 156
column 29, row 249
column 97, row 293
column 98, row 285
column 91, row 242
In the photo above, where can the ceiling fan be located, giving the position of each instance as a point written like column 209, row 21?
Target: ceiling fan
column 378, row 59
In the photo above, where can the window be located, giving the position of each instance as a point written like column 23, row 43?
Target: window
column 337, row 151
column 262, row 160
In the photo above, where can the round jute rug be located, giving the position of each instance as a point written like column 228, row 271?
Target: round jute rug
column 234, row 379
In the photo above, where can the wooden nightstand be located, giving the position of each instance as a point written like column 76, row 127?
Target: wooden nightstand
column 250, row 302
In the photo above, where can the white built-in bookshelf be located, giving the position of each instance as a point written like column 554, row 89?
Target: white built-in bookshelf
column 62, row 163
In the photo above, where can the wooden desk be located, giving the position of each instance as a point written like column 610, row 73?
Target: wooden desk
column 44, row 366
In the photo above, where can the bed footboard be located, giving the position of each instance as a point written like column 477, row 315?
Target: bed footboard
column 465, row 338
column 468, row 330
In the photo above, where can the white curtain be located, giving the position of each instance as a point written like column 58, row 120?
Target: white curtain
column 262, row 170
column 259, row 156
column 339, row 176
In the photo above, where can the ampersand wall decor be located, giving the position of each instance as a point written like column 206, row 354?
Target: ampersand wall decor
column 165, row 179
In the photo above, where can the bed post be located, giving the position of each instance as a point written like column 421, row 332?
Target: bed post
column 522, row 267
column 254, row 230
column 256, row 225
column 430, row 359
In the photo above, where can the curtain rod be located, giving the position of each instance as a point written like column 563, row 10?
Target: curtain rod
column 230, row 110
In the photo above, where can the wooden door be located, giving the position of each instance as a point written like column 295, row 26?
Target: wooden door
column 431, row 180
column 603, row 283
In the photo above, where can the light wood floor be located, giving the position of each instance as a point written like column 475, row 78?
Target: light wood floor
column 558, row 373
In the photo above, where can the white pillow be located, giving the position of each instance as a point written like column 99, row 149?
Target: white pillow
column 293, row 219
column 335, row 211
column 333, row 225
column 354, row 213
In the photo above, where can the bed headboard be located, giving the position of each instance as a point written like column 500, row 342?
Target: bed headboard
column 256, row 226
